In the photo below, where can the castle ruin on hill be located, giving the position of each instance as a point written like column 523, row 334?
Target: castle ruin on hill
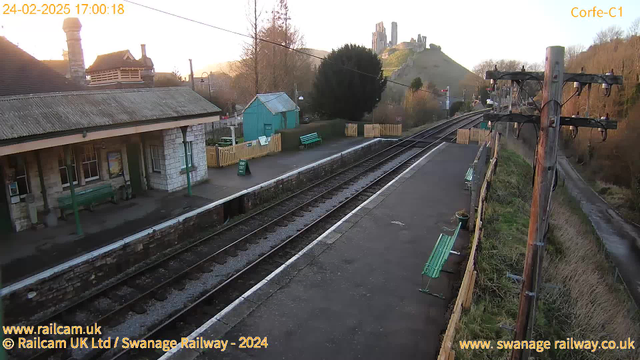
column 379, row 39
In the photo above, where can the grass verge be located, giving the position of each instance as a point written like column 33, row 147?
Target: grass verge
column 581, row 299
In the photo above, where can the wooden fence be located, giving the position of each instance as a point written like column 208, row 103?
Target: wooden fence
column 224, row 156
column 351, row 130
column 377, row 130
column 464, row 136
column 465, row 295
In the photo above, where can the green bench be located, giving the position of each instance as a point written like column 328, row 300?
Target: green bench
column 310, row 139
column 87, row 198
column 468, row 177
column 438, row 257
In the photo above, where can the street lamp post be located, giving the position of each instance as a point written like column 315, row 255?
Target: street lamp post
column 208, row 82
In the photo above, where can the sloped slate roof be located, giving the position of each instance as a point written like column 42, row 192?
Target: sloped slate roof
column 21, row 73
column 276, row 102
column 60, row 66
column 71, row 112
column 116, row 60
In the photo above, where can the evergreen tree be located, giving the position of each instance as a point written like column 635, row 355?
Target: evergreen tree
column 341, row 92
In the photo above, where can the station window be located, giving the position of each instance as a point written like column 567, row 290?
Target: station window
column 189, row 154
column 21, row 177
column 156, row 158
column 89, row 159
column 64, row 179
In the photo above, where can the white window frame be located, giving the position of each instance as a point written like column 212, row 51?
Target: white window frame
column 88, row 162
column 156, row 153
column 26, row 179
column 73, row 164
column 189, row 153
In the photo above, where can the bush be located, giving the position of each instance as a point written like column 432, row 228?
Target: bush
column 327, row 129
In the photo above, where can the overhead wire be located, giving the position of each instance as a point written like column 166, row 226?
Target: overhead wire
column 273, row 43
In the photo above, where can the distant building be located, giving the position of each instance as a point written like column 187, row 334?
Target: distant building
column 379, row 39
column 267, row 113
column 394, row 34
column 109, row 71
column 120, row 70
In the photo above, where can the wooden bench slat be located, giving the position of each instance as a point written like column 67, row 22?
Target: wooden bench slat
column 87, row 197
column 440, row 254
column 310, row 138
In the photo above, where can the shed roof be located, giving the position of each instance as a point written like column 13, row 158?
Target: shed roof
column 276, row 102
column 21, row 73
column 33, row 115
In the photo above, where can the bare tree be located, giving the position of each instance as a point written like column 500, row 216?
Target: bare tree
column 572, row 52
column 634, row 28
column 609, row 34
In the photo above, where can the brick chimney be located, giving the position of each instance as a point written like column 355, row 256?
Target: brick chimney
column 71, row 27
column 144, row 50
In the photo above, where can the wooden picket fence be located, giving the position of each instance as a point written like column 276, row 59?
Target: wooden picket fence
column 465, row 295
column 224, row 156
column 351, row 130
column 465, row 136
column 377, row 130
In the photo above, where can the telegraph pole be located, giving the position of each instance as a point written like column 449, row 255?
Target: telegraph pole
column 550, row 121
column 193, row 84
column 545, row 169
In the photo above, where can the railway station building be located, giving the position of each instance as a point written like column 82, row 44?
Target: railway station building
column 118, row 141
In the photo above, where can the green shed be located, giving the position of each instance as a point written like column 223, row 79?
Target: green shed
column 267, row 113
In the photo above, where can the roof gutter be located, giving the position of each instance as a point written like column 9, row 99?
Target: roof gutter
column 83, row 135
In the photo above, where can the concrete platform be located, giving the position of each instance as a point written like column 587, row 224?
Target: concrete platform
column 353, row 293
column 30, row 252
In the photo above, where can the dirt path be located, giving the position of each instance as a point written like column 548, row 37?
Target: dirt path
column 621, row 238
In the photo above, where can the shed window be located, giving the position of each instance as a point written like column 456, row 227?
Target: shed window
column 64, row 178
column 189, row 154
column 90, row 163
column 156, row 157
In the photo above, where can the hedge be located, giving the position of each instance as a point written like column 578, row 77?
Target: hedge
column 327, row 129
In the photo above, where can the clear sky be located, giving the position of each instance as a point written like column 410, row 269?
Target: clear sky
column 468, row 31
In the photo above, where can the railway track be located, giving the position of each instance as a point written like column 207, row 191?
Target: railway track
column 169, row 298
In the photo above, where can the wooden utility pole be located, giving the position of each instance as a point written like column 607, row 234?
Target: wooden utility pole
column 193, row 83
column 545, row 169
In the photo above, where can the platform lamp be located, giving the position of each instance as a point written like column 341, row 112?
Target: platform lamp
column 208, row 82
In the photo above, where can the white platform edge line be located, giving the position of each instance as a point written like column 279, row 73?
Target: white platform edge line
column 256, row 287
column 95, row 253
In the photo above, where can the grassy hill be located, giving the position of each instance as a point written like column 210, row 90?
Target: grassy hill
column 432, row 66
column 395, row 60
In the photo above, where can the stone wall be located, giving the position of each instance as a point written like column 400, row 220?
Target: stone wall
column 175, row 174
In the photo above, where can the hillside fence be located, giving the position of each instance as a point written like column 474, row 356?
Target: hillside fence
column 351, row 130
column 378, row 130
column 225, row 156
column 465, row 136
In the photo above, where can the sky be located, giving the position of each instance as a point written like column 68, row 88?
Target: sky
column 468, row 31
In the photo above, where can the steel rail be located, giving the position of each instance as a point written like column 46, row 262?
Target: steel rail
column 298, row 233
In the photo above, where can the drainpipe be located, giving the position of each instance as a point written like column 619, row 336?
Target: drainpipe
column 147, row 175
column 42, row 186
column 67, row 155
column 186, row 158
